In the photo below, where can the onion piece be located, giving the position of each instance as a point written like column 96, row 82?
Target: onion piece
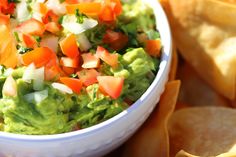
column 36, row 97
column 50, row 41
column 29, row 73
column 9, row 87
column 57, row 7
column 62, row 88
column 38, row 79
column 70, row 24
column 22, row 12
column 83, row 41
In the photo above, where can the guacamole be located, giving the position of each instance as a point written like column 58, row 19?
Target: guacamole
column 80, row 70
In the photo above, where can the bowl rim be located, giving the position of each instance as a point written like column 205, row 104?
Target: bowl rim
column 165, row 59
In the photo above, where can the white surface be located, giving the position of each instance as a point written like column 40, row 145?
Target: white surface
column 104, row 137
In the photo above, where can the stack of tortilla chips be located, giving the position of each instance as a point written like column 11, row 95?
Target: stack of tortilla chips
column 199, row 120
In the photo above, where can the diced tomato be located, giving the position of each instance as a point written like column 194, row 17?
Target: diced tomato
column 88, row 8
column 109, row 58
column 90, row 61
column 88, row 77
column 116, row 40
column 39, row 56
column 69, row 46
column 52, row 70
column 72, row 1
column 116, row 6
column 107, row 14
column 153, row 47
column 4, row 19
column 53, row 27
column 111, row 85
column 41, row 8
column 6, row 7
column 69, row 62
column 10, row 87
column 50, row 17
column 74, row 84
column 110, row 10
column 68, row 71
column 3, row 4
column 29, row 41
column 32, row 27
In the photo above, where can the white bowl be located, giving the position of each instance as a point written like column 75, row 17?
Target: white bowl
column 106, row 136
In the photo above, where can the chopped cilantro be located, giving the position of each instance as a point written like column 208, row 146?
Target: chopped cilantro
column 74, row 75
column 16, row 35
column 38, row 38
column 80, row 16
column 13, row 1
column 60, row 20
column 22, row 50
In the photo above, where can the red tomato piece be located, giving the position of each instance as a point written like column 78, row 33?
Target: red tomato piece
column 29, row 41
column 90, row 61
column 52, row 27
column 6, row 7
column 41, row 8
column 109, row 58
column 4, row 19
column 74, row 84
column 107, row 14
column 88, row 8
column 39, row 56
column 68, row 71
column 52, row 70
column 69, row 62
column 116, row 40
column 50, row 17
column 72, row 1
column 153, row 47
column 111, row 85
column 88, row 77
column 32, row 27
column 116, row 6
column 69, row 46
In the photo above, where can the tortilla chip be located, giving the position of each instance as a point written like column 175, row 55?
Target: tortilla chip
column 205, row 34
column 184, row 154
column 203, row 131
column 174, row 65
column 152, row 139
column 229, row 1
column 233, row 104
column 196, row 92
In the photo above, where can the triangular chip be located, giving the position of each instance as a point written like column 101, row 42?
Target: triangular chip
column 205, row 34
column 152, row 139
column 195, row 91
column 203, row 131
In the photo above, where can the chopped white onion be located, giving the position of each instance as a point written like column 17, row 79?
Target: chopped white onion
column 9, row 87
column 84, row 43
column 29, row 73
column 62, row 88
column 22, row 12
column 36, row 97
column 8, row 72
column 37, row 16
column 69, row 23
column 38, row 79
column 50, row 41
column 57, row 7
